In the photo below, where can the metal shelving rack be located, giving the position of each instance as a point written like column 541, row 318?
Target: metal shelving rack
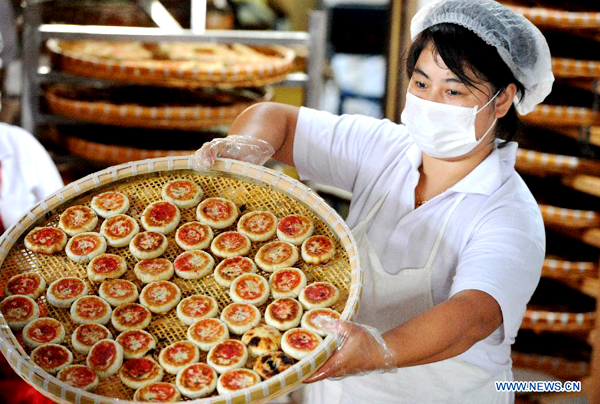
column 35, row 72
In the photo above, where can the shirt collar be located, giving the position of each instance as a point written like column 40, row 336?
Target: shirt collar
column 486, row 178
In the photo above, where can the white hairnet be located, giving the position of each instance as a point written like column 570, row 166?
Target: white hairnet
column 520, row 44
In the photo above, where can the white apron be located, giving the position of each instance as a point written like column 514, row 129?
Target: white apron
column 394, row 299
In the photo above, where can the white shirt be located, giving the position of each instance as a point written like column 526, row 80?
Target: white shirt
column 494, row 242
column 28, row 173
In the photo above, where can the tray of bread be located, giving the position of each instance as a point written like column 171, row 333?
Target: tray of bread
column 558, row 18
column 153, row 107
column 576, row 218
column 150, row 280
column 560, row 268
column 177, row 64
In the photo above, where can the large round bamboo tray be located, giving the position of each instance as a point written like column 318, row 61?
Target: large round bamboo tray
column 568, row 68
column 555, row 366
column 569, row 217
column 588, row 184
column 161, row 116
column 538, row 163
column 114, row 154
column 558, row 115
column 154, row 69
column 551, row 18
column 589, row 135
column 556, row 268
column 250, row 187
column 542, row 320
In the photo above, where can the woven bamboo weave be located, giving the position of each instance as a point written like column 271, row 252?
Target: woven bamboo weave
column 251, row 188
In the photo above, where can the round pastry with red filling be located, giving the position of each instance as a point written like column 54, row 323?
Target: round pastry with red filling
column 178, row 355
column 230, row 244
column 262, row 339
column 148, row 244
column 63, row 292
column 83, row 247
column 130, row 316
column 77, row 219
column 196, row 307
column 227, row 355
column 118, row 291
column 155, row 269
column 110, row 203
column 28, row 284
column 19, row 311
column 106, row 266
column 119, row 230
column 249, row 288
column 236, row 379
column 207, row 332
column 231, row 268
column 105, row 358
column 276, row 255
column 160, row 297
column 196, row 380
column 193, row 264
column 79, row 376
column 52, row 357
column 319, row 295
column 240, row 317
column 86, row 335
column 287, row 282
column 90, row 309
column 284, row 313
column 312, row 318
column 258, row 225
column 218, row 213
column 136, row 343
column 183, row 193
column 46, row 240
column 194, row 236
column 161, row 216
column 299, row 343
column 272, row 363
column 137, row 373
column 159, row 392
column 295, row 229
column 42, row 331
column 318, row 250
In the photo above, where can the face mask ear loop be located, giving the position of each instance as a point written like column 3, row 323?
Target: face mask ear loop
column 488, row 103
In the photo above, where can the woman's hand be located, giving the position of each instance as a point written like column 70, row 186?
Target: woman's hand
column 361, row 349
column 240, row 147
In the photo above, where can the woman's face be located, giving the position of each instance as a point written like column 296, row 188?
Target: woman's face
column 433, row 81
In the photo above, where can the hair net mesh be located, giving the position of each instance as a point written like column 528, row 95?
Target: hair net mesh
column 519, row 43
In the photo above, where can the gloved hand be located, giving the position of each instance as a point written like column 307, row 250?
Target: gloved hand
column 240, row 147
column 360, row 349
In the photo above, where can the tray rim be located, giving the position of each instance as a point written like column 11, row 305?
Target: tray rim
column 62, row 392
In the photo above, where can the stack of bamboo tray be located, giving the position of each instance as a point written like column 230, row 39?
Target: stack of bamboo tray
column 559, row 156
column 186, row 90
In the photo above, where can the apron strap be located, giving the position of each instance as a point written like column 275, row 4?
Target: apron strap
column 371, row 213
column 440, row 235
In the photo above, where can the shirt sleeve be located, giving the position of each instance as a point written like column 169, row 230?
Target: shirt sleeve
column 503, row 258
column 332, row 149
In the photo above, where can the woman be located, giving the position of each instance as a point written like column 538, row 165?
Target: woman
column 451, row 239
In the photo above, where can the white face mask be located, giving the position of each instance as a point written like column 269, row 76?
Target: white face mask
column 442, row 130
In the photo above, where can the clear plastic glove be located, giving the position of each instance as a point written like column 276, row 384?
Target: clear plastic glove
column 360, row 349
column 241, row 147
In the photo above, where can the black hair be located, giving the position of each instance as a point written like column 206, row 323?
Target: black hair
column 462, row 50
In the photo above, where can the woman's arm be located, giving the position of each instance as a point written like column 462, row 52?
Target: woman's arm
column 272, row 122
column 442, row 332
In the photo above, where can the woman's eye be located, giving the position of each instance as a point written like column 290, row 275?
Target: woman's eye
column 420, row 84
column 453, row 92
